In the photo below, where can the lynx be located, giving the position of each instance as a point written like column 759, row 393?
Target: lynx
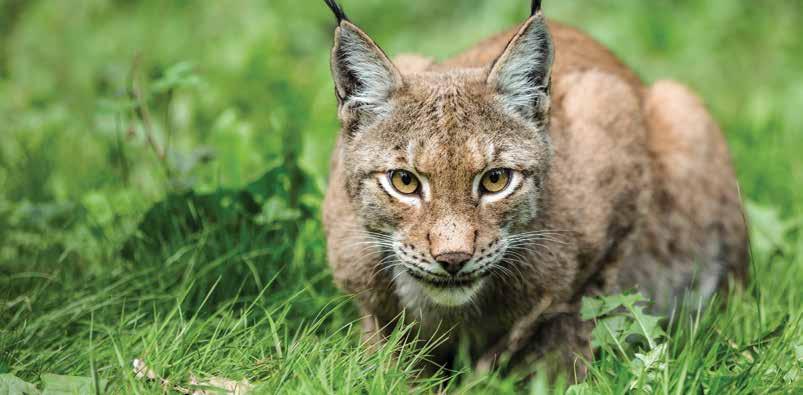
column 480, row 198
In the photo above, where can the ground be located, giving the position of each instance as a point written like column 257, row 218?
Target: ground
column 161, row 170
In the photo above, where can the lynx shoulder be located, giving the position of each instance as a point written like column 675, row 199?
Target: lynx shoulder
column 489, row 193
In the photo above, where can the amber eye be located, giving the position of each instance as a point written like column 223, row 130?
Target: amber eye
column 495, row 180
column 404, row 182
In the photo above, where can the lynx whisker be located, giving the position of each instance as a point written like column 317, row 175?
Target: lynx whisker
column 514, row 263
column 393, row 280
column 506, row 273
column 387, row 267
column 364, row 248
column 536, row 236
column 517, row 260
column 521, row 254
column 536, row 248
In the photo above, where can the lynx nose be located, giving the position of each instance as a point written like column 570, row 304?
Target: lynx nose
column 452, row 262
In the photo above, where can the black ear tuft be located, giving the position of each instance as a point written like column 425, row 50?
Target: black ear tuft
column 338, row 11
column 536, row 6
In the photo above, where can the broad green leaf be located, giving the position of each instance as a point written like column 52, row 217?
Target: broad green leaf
column 579, row 389
column 55, row 384
column 645, row 324
column 13, row 385
column 767, row 229
column 615, row 329
column 626, row 299
column 608, row 331
column 276, row 209
column 602, row 305
column 179, row 75
column 591, row 308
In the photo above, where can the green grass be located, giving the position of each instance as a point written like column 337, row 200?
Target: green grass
column 226, row 275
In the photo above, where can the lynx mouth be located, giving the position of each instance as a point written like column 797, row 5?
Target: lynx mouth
column 442, row 282
column 413, row 282
column 449, row 292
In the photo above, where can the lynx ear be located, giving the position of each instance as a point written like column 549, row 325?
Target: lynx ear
column 364, row 76
column 521, row 75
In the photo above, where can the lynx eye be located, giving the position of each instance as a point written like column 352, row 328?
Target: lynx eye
column 404, row 182
column 495, row 180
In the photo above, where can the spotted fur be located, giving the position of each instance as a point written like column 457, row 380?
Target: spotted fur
column 618, row 185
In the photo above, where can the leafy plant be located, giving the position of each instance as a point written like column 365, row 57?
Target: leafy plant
column 619, row 321
column 12, row 385
column 620, row 317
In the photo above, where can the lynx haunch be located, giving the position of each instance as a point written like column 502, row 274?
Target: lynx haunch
column 484, row 196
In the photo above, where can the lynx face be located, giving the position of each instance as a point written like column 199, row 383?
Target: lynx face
column 444, row 168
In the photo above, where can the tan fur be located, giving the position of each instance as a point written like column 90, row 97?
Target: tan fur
column 631, row 186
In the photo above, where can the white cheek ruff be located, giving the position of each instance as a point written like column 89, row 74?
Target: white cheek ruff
column 515, row 180
column 415, row 295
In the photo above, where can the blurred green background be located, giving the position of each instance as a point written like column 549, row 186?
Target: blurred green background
column 161, row 160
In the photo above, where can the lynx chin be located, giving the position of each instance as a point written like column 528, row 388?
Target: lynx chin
column 482, row 197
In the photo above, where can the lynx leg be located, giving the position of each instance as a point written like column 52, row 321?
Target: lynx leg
column 695, row 239
column 516, row 339
column 561, row 346
column 372, row 333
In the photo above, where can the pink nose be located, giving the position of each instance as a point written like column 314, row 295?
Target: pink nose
column 452, row 262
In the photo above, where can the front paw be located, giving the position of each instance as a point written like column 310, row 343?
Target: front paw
column 490, row 360
column 485, row 364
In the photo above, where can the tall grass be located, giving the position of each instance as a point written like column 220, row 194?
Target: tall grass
column 162, row 166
